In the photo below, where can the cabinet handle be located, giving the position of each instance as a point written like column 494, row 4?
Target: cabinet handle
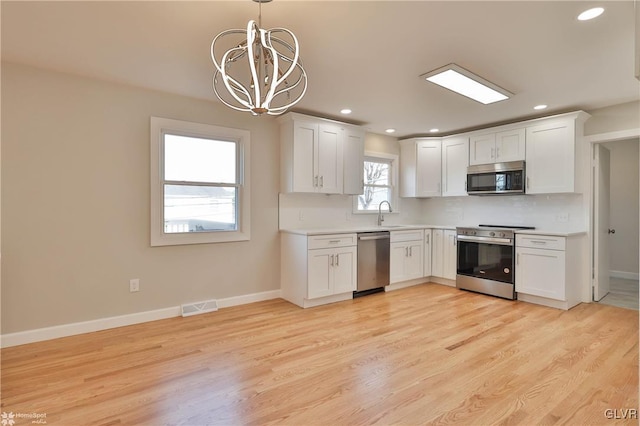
column 410, row 251
column 455, row 241
column 334, row 241
column 406, row 252
column 518, row 259
column 497, row 152
column 538, row 242
column 321, row 181
column 315, row 181
column 492, row 153
column 527, row 182
column 331, row 262
column 427, row 236
column 337, row 260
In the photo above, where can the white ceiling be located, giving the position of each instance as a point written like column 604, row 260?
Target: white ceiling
column 364, row 55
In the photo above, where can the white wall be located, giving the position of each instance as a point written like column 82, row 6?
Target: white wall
column 75, row 204
column 624, row 206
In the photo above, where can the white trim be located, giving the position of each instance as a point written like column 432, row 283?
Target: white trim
column 394, row 161
column 64, row 330
column 624, row 275
column 241, row 137
column 249, row 298
column 613, row 136
column 592, row 140
column 405, row 284
column 443, row 281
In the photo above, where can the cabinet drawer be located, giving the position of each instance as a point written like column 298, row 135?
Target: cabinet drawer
column 334, row 240
column 540, row 241
column 413, row 235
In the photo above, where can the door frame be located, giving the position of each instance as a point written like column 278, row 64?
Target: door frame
column 592, row 140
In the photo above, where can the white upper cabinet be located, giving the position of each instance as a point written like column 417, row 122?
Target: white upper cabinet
column 510, row 145
column 330, row 156
column 353, row 161
column 455, row 160
column 319, row 155
column 553, row 154
column 487, row 148
column 420, row 167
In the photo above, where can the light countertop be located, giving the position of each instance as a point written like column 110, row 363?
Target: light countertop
column 356, row 229
column 325, row 231
column 551, row 233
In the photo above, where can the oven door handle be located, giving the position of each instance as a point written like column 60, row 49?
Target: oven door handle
column 489, row 240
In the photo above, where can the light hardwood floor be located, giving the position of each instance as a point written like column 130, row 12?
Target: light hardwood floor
column 429, row 354
column 623, row 294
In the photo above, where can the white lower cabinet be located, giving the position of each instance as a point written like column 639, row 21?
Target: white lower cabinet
column 547, row 270
column 406, row 255
column 331, row 271
column 450, row 257
column 427, row 252
column 444, row 254
column 318, row 269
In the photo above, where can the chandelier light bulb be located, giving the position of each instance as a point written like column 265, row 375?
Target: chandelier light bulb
column 257, row 70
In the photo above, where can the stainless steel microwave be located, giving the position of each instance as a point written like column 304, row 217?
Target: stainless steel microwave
column 498, row 178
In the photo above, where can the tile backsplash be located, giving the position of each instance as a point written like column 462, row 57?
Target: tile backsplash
column 558, row 212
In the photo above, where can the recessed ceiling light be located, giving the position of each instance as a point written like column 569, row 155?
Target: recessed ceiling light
column 345, row 111
column 434, row 130
column 459, row 80
column 390, row 130
column 590, row 14
column 539, row 107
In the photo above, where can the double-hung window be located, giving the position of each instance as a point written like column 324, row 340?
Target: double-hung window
column 379, row 182
column 199, row 183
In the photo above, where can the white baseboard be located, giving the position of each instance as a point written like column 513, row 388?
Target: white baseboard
column 624, row 275
column 64, row 330
column 405, row 284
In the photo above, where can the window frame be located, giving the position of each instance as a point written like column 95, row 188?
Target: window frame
column 161, row 126
column 392, row 159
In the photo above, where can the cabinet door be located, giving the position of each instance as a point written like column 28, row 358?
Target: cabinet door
column 428, row 168
column 413, row 262
column 353, row 161
column 427, row 253
column 437, row 260
column 330, row 159
column 540, row 272
column 450, row 255
column 510, row 145
column 345, row 270
column 319, row 272
column 550, row 154
column 305, row 153
column 482, row 149
column 398, row 254
column 455, row 160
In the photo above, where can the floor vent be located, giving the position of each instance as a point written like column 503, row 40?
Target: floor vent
column 199, row 308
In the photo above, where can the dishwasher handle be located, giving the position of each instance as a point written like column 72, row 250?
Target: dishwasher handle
column 373, row 237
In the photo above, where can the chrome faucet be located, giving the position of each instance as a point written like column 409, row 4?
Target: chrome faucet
column 380, row 217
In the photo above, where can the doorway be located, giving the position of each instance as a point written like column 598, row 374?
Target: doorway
column 615, row 233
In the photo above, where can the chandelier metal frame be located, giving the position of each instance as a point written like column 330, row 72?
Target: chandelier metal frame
column 269, row 86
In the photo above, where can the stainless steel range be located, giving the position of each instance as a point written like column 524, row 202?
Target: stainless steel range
column 486, row 260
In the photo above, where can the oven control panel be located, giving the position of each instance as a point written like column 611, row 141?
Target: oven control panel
column 483, row 232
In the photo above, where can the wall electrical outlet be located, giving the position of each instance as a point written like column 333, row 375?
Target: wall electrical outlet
column 134, row 285
column 562, row 217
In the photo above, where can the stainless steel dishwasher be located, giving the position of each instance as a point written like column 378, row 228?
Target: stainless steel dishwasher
column 373, row 262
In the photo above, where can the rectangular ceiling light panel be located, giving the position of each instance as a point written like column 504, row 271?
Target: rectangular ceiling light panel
column 459, row 80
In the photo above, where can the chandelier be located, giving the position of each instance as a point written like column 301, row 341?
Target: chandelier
column 258, row 70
